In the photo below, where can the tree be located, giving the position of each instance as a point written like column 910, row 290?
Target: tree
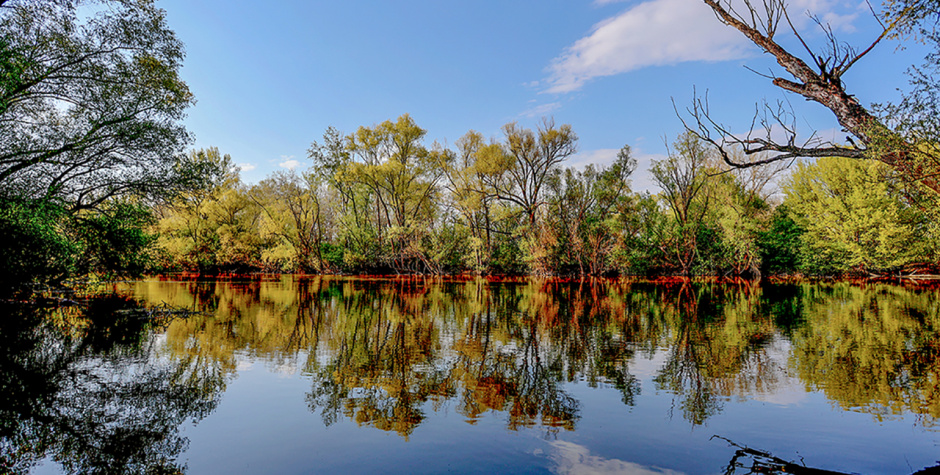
column 89, row 104
column 518, row 171
column 42, row 252
column 356, row 232
column 188, row 224
column 779, row 243
column 855, row 217
column 818, row 78
column 294, row 217
column 388, row 180
column 746, row 197
column 586, row 210
column 464, row 183
column 682, row 176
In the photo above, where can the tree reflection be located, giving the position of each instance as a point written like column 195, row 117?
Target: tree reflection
column 522, row 379
column 384, row 352
column 83, row 388
column 715, row 343
column 872, row 348
column 383, row 365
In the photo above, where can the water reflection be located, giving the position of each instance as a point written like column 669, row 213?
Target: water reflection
column 378, row 351
column 92, row 391
column 86, row 388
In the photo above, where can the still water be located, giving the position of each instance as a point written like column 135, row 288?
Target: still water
column 346, row 375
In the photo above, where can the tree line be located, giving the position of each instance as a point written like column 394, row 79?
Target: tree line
column 380, row 201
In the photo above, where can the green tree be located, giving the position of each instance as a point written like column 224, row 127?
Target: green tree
column 779, row 243
column 90, row 110
column 356, row 232
column 114, row 239
column 585, row 212
column 90, row 104
column 37, row 248
column 682, row 177
column 856, row 217
column 643, row 248
column 745, row 197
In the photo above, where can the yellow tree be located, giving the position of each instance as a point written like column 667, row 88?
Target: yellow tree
column 464, row 183
column 402, row 175
column 292, row 215
column 188, row 231
column 518, row 172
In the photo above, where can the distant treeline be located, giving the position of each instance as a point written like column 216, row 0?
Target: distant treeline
column 380, row 201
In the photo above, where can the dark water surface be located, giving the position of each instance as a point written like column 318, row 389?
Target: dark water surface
column 344, row 375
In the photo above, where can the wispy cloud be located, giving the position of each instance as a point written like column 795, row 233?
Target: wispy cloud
column 666, row 32
column 246, row 167
column 601, row 157
column 541, row 110
column 653, row 33
column 289, row 162
column 827, row 11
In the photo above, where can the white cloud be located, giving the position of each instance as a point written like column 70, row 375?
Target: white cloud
column 574, row 459
column 666, row 32
column 653, row 33
column 541, row 110
column 246, row 167
column 803, row 11
column 642, row 179
column 289, row 164
column 602, row 157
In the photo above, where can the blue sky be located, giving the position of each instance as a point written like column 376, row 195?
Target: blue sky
column 270, row 77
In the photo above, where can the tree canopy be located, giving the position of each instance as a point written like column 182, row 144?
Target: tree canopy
column 90, row 100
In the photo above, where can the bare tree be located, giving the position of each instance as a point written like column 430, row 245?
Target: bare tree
column 519, row 170
column 817, row 79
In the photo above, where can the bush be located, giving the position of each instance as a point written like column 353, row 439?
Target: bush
column 114, row 241
column 37, row 250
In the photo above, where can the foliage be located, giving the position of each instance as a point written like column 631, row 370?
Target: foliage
column 114, row 239
column 585, row 212
column 682, row 176
column 780, row 243
column 52, row 245
column 90, row 103
column 90, row 109
column 855, row 217
column 293, row 219
column 42, row 252
column 211, row 226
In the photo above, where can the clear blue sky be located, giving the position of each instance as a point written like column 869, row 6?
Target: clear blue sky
column 270, row 77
